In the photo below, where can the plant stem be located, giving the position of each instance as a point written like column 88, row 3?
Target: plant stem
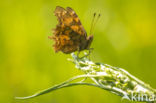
column 113, row 79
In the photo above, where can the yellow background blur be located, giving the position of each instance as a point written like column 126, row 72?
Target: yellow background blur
column 125, row 36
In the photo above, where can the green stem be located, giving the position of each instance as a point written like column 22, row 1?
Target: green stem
column 62, row 85
column 113, row 79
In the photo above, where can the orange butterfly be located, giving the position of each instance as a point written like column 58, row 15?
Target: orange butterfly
column 69, row 34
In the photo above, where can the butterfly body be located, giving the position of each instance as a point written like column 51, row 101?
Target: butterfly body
column 69, row 34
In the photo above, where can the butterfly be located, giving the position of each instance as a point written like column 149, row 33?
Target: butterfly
column 69, row 34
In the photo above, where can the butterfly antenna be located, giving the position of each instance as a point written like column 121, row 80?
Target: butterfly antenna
column 96, row 21
column 92, row 23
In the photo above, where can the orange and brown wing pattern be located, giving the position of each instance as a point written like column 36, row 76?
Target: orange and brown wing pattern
column 68, row 18
column 69, row 34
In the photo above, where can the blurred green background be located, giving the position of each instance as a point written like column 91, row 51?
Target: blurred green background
column 125, row 36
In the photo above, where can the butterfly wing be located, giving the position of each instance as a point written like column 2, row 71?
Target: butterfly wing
column 68, row 18
column 69, row 34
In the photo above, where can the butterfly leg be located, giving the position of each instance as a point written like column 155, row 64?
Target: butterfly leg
column 78, row 52
column 90, row 50
column 88, row 54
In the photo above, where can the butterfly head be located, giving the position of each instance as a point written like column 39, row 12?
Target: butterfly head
column 89, row 41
